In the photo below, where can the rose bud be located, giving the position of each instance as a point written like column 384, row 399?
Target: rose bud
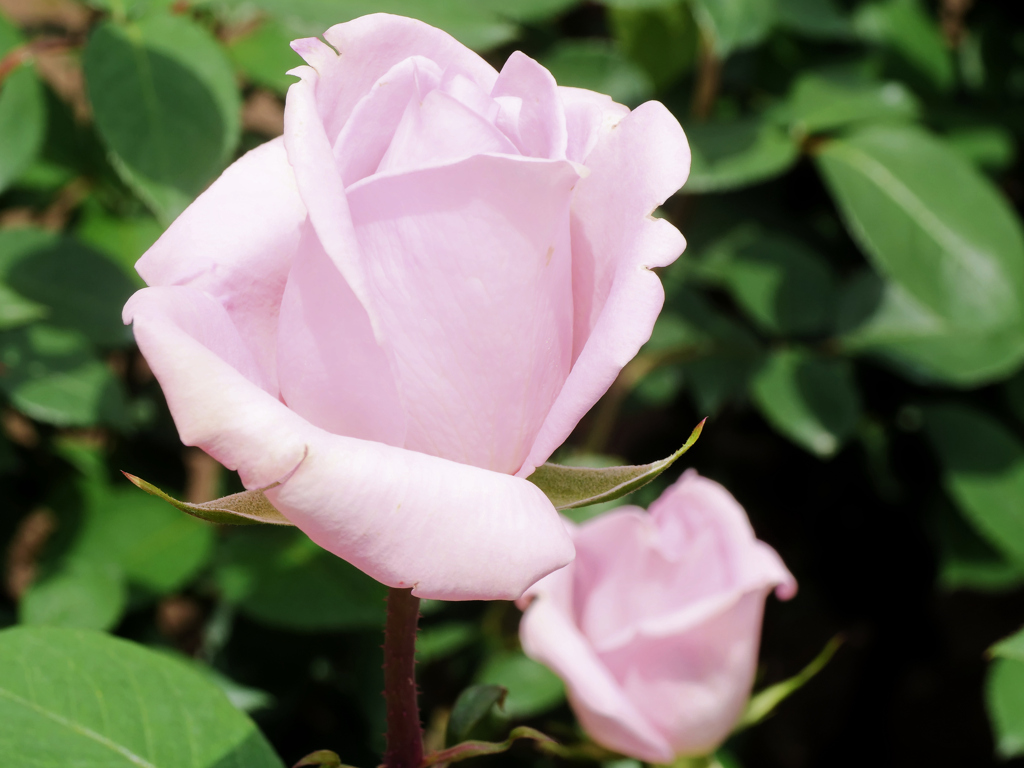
column 402, row 307
column 655, row 626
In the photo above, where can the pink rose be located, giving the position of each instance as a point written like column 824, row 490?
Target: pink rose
column 655, row 627
column 406, row 304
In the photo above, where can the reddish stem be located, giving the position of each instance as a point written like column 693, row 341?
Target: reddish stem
column 405, row 736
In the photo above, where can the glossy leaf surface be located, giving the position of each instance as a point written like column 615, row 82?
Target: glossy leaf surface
column 72, row 697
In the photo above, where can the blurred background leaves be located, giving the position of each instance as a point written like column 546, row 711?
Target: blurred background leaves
column 849, row 313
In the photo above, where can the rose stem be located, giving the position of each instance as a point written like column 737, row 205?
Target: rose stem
column 404, row 737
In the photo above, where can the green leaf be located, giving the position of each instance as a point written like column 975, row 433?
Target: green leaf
column 930, row 222
column 990, row 147
column 74, row 697
column 473, row 706
column 763, row 703
column 881, row 319
column 908, row 28
column 969, row 562
column 532, row 688
column 524, row 11
column 983, row 472
column 638, row 4
column 245, row 508
column 51, row 375
column 781, row 284
column 827, row 100
column 157, row 548
column 81, row 289
column 731, row 154
column 22, row 123
column 734, row 24
column 814, row 18
column 468, row 749
column 1004, row 697
column 280, row 577
column 473, row 23
column 720, row 354
column 662, row 39
column 441, row 640
column 83, row 593
column 123, row 238
column 598, row 66
column 16, row 310
column 22, row 112
column 1011, row 647
column 166, row 105
column 811, row 400
column 153, row 546
column 263, row 55
column 571, row 487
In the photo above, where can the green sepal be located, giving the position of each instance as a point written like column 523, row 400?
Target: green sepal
column 245, row 508
column 572, row 487
column 763, row 703
column 468, row 749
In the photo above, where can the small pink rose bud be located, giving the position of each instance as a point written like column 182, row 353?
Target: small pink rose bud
column 655, row 626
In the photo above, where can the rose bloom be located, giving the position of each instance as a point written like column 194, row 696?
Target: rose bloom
column 404, row 305
column 655, row 626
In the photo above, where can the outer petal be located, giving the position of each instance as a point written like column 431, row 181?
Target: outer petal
column 549, row 635
column 615, row 244
column 698, row 503
column 692, row 687
column 332, row 371
column 659, row 575
column 537, row 127
column 626, row 583
column 236, row 243
column 450, row 531
column 373, row 44
column 470, row 276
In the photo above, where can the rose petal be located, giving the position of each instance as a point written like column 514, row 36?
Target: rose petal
column 612, row 720
column 615, row 244
column 692, row 686
column 695, row 554
column 236, row 242
column 320, row 185
column 697, row 502
column 437, row 130
column 366, row 136
column 332, row 371
column 537, row 127
column 407, row 519
column 470, row 274
column 589, row 117
column 373, row 44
